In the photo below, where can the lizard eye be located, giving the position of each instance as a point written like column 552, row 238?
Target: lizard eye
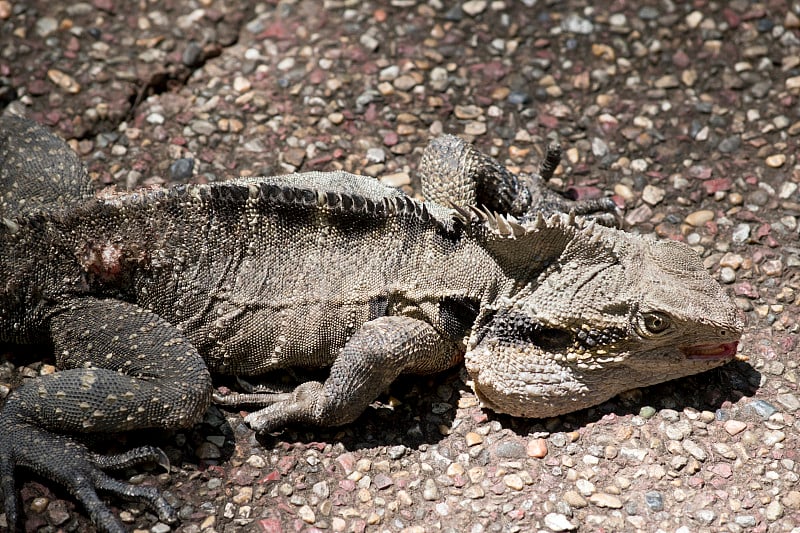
column 656, row 322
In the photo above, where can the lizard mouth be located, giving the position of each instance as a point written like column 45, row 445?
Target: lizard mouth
column 710, row 352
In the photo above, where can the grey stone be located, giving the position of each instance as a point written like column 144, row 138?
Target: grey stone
column 654, row 500
column 181, row 169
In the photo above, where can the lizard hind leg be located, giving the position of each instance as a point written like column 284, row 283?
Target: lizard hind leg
column 121, row 368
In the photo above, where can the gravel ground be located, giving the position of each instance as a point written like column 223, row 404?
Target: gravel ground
column 687, row 112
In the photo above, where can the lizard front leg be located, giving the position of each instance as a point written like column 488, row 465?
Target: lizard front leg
column 373, row 357
column 121, row 368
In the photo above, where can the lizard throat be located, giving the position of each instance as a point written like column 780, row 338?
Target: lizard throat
column 710, row 352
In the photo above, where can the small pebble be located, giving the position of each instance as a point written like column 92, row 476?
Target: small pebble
column 693, row 19
column 654, row 500
column 730, row 144
column 773, row 437
column 624, row 191
column 694, row 449
column 574, row 23
column 473, row 438
column 574, row 499
column 160, row 527
column 727, row 275
column 405, row 82
column 398, row 179
column 376, row 155
column 791, row 500
column 207, row 450
column 602, row 499
column 256, row 461
column 741, row 233
column 243, row 495
column 429, row 491
column 38, row 505
column 182, row 169
column 762, row 408
column 396, row 452
column 474, row 127
column 558, row 522
column 513, row 481
column 64, row 81
column 46, row 26
column 653, row 195
column 669, row 81
column 474, row 7
column 286, row 64
column 705, row 516
column 790, row 401
column 793, row 82
column 192, row 55
column 306, row 514
column 241, row 84
column 599, row 147
column 731, row 260
column 536, row 448
column 787, row 189
column 203, row 127
column 698, row 218
column 776, row 161
column 467, row 111
column 774, row 510
column 585, row 487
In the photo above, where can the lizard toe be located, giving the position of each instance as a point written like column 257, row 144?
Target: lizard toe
column 136, row 456
column 7, row 486
column 236, row 399
column 149, row 495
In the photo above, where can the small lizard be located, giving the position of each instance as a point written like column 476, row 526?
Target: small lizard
column 143, row 295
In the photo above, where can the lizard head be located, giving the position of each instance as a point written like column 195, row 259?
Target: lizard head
column 602, row 311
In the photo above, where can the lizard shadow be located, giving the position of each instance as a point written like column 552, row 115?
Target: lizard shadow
column 714, row 390
column 421, row 410
column 414, row 411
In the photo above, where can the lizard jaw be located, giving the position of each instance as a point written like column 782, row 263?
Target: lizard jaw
column 710, row 352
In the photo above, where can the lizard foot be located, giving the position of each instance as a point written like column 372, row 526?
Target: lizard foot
column 299, row 407
column 278, row 408
column 64, row 460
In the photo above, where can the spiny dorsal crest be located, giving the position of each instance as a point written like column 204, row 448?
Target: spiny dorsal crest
column 256, row 193
column 540, row 239
column 499, row 226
